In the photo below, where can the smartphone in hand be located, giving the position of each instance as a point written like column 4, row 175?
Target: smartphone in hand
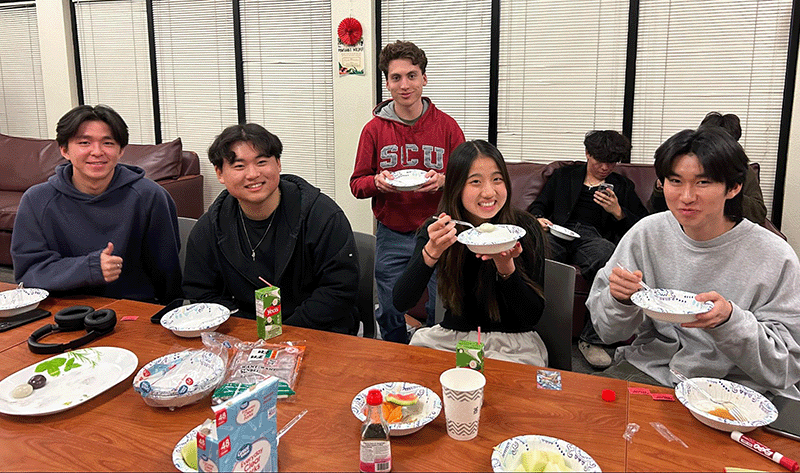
column 606, row 186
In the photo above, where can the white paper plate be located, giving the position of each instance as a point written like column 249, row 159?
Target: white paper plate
column 193, row 319
column 670, row 305
column 408, row 179
column 17, row 301
column 493, row 242
column 757, row 408
column 72, row 379
column 506, row 456
column 563, row 232
column 432, row 405
column 177, row 458
column 180, row 378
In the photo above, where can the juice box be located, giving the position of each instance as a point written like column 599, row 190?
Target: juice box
column 243, row 434
column 469, row 354
column 268, row 312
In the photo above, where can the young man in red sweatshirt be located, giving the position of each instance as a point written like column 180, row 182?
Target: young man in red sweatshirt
column 406, row 132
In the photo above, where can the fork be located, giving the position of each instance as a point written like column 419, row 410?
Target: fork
column 731, row 407
column 459, row 222
column 641, row 282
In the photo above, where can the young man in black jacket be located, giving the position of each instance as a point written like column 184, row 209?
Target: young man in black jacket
column 273, row 227
column 597, row 203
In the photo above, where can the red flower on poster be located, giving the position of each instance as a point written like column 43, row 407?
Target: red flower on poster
column 350, row 31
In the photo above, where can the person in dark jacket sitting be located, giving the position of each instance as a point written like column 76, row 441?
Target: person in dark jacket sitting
column 272, row 227
column 579, row 198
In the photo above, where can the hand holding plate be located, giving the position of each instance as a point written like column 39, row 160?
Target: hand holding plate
column 718, row 315
column 381, row 182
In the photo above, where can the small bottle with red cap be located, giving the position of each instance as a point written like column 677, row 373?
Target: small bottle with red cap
column 376, row 451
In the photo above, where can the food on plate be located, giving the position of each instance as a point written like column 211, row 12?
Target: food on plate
column 496, row 235
column 395, row 413
column 37, row 381
column 542, row 460
column 402, row 399
column 22, row 391
column 486, row 227
column 189, row 453
column 721, row 412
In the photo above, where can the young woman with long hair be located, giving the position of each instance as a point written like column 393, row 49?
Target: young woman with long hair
column 500, row 293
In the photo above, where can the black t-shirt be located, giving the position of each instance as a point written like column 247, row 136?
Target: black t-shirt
column 586, row 210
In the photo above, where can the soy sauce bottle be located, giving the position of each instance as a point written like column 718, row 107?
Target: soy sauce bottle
column 376, row 451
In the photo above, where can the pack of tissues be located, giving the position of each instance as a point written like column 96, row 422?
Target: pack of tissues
column 243, row 434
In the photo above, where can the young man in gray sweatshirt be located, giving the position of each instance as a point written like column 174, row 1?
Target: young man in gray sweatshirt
column 702, row 245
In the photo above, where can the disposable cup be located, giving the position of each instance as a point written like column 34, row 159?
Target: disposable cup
column 462, row 394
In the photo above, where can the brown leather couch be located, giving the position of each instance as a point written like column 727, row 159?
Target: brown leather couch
column 527, row 181
column 26, row 162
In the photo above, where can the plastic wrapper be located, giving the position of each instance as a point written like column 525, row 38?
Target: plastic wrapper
column 182, row 377
column 251, row 362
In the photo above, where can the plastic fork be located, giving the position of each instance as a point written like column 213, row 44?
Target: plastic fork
column 728, row 405
column 291, row 423
column 641, row 282
column 459, row 222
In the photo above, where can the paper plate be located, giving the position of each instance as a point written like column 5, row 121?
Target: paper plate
column 193, row 319
column 72, row 379
column 17, row 301
column 507, row 455
column 408, row 179
column 670, row 305
column 177, row 458
column 432, row 405
column 563, row 232
column 180, row 378
column 493, row 242
column 757, row 408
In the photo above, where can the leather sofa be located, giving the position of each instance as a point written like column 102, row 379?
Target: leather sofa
column 528, row 179
column 26, row 162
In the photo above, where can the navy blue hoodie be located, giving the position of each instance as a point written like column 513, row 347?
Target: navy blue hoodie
column 59, row 233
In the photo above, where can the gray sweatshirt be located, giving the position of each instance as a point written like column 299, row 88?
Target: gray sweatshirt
column 759, row 273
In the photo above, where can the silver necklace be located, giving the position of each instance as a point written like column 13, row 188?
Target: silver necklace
column 247, row 237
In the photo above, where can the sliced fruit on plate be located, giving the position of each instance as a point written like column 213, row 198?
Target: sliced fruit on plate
column 402, row 399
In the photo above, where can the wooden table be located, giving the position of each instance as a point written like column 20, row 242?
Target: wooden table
column 116, row 431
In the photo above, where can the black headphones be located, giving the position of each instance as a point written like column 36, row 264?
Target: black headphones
column 97, row 323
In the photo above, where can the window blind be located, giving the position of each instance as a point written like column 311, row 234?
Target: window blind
column 196, row 76
column 562, row 73
column 456, row 38
column 288, row 76
column 695, row 57
column 22, row 108
column 115, row 61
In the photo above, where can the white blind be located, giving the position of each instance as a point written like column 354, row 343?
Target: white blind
column 456, row 38
column 115, row 61
column 196, row 76
column 288, row 64
column 22, row 108
column 723, row 55
column 562, row 73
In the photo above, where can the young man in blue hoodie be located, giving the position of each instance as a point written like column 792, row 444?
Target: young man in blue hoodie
column 96, row 226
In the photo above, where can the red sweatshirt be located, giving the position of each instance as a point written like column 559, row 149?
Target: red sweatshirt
column 389, row 144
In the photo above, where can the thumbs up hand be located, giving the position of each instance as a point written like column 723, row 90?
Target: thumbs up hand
column 110, row 265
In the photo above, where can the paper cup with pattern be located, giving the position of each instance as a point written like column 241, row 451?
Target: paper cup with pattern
column 462, row 390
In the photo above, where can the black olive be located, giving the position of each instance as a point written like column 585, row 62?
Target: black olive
column 37, row 381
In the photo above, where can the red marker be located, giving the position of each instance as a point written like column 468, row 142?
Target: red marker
column 759, row 447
